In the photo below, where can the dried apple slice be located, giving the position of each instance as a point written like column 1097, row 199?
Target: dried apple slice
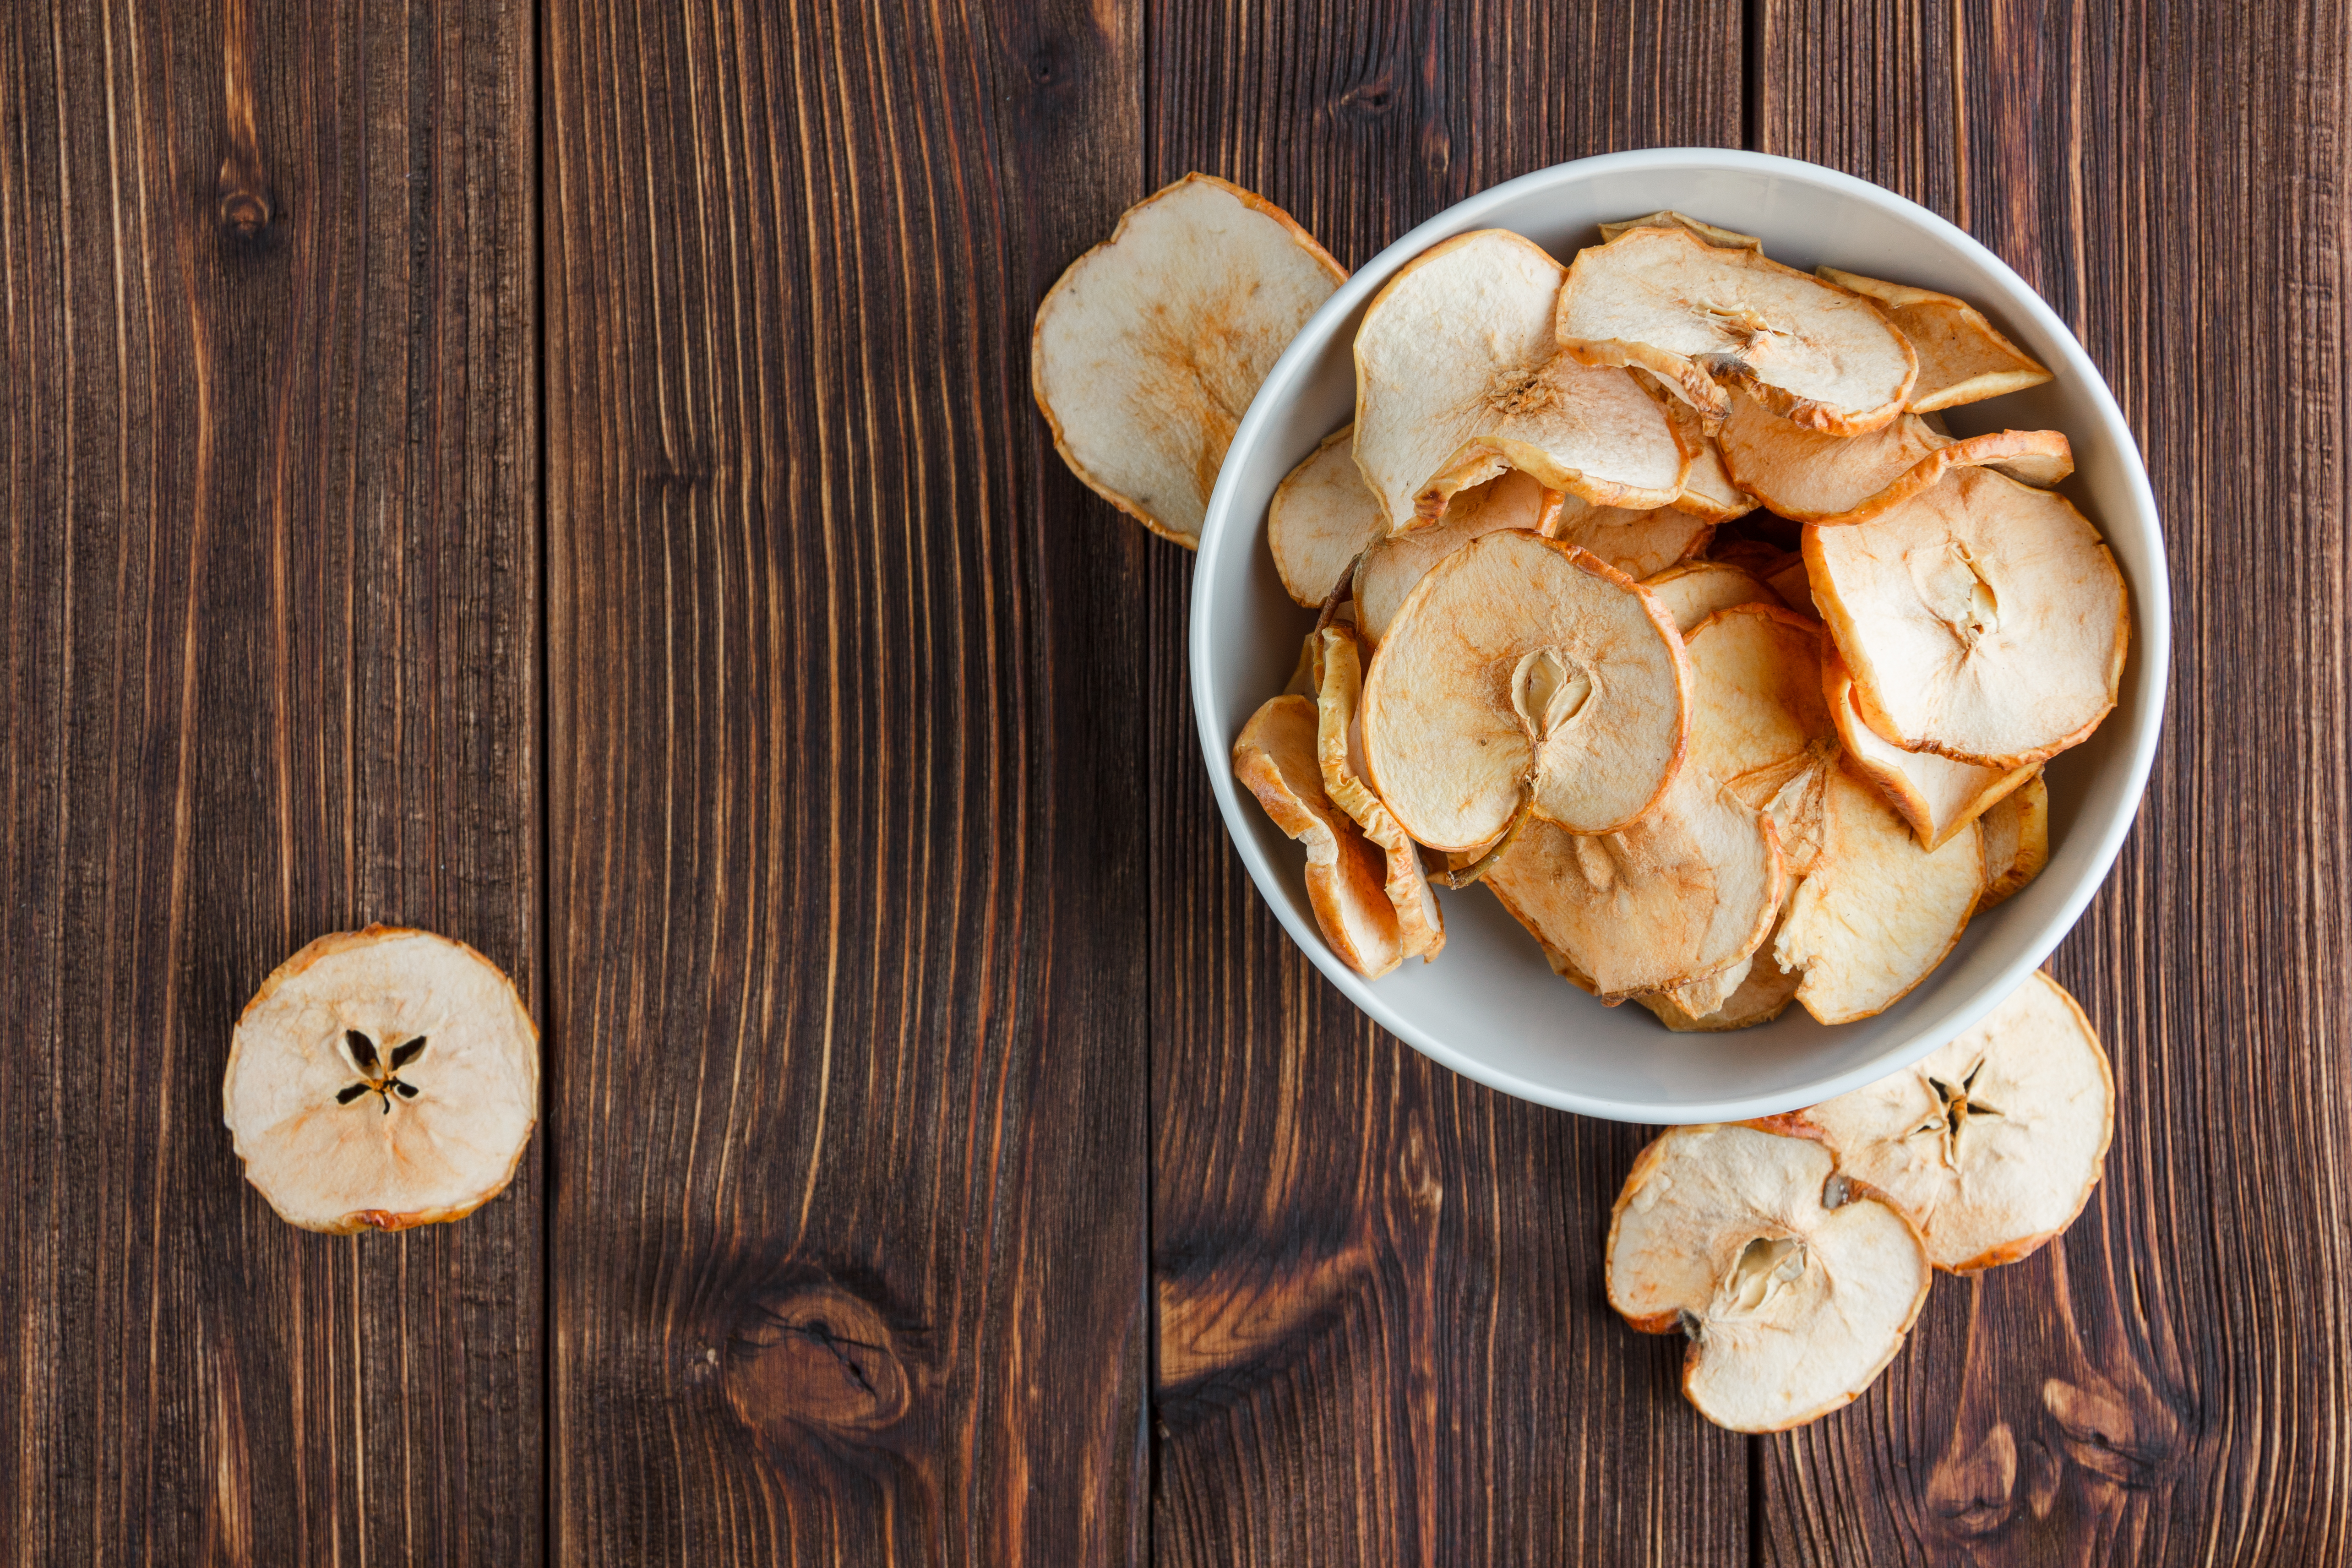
column 1795, row 1286
column 1877, row 912
column 1457, row 378
column 1275, row 759
column 1388, row 570
column 379, row 1080
column 1796, row 590
column 1762, row 994
column 1705, row 318
column 1668, row 218
column 1962, row 357
column 1808, row 476
column 1321, row 518
column 1339, row 740
column 1936, row 795
column 1523, row 671
column 1688, row 890
column 1708, row 491
column 1759, row 721
column 1694, row 590
column 1150, row 347
column 1983, row 620
column 2017, row 840
column 1638, row 544
column 1993, row 1142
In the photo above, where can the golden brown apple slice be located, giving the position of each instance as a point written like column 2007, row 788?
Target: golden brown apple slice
column 1877, row 912
column 1321, row 518
column 1993, row 1142
column 1149, row 349
column 1638, row 544
column 1338, row 741
column 1688, row 890
column 1936, row 795
column 1962, row 357
column 1983, row 620
column 1388, row 570
column 1808, row 476
column 1692, row 590
column 1761, row 994
column 1708, row 491
column 2017, row 840
column 1523, row 671
column 379, row 1080
column 1276, row 760
column 1795, row 1286
column 1704, row 317
column 1457, row 378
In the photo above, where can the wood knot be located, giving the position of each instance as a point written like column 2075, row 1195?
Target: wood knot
column 816, row 1356
column 244, row 213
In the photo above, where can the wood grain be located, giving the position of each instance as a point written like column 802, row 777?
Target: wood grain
column 270, row 580
column 2171, row 1385
column 1381, row 1330
column 847, row 823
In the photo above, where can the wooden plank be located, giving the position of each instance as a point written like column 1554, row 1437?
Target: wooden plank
column 2169, row 1384
column 848, row 850
column 1381, row 1330
column 270, row 496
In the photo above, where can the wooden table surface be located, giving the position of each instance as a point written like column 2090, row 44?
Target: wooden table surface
column 564, row 474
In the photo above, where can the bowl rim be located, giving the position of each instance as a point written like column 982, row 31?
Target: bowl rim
column 2149, row 677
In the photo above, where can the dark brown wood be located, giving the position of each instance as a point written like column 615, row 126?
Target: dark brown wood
column 847, row 825
column 2169, row 1386
column 270, row 471
column 1381, row 1330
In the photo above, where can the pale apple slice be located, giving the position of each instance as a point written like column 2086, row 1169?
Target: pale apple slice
column 1992, row 1144
column 379, row 1080
column 1692, row 590
column 1983, row 620
column 1877, row 912
column 1759, row 721
column 1638, row 544
column 1457, row 378
column 1150, row 347
column 1339, row 741
column 1681, row 895
column 1963, row 356
column 1521, row 671
column 1321, row 518
column 1705, row 318
column 1936, row 795
column 1762, row 994
column 1708, row 232
column 1275, row 758
column 2017, row 840
column 1708, row 491
column 1795, row 1286
column 1390, row 567
column 1808, row 476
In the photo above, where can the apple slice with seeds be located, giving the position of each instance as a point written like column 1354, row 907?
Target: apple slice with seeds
column 1795, row 1284
column 1993, row 1142
column 1275, row 759
column 1146, row 351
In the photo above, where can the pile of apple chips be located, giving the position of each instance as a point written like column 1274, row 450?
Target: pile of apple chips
column 1564, row 651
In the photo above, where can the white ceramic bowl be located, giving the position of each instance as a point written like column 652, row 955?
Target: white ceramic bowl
column 1490, row 1007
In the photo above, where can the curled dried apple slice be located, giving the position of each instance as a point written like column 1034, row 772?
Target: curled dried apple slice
column 382, row 1078
column 1708, row 491
column 1876, row 913
column 1808, row 476
column 1936, row 795
column 1320, row 518
column 1150, row 347
column 1795, row 1286
column 1338, row 741
column 1692, row 590
column 1993, row 1142
column 1521, row 671
column 1762, row 993
column 1962, row 357
column 1678, row 897
column 1275, row 759
column 1390, row 567
column 1983, row 620
column 1457, row 378
column 1668, row 218
column 2016, row 840
column 1705, row 318
column 1638, row 544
